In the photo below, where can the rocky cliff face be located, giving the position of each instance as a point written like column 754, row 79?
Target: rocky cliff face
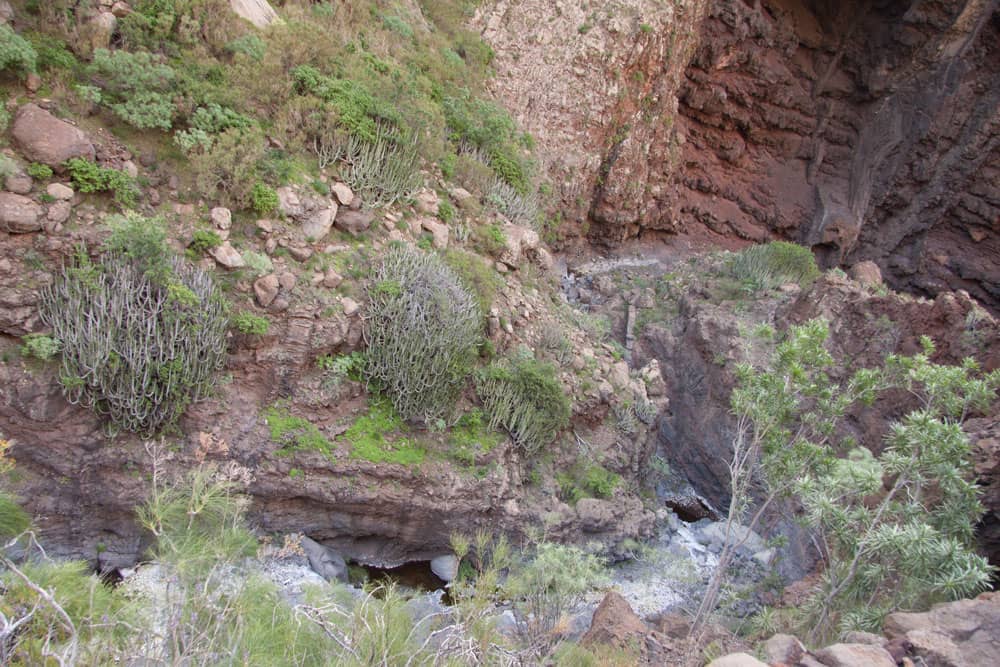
column 867, row 130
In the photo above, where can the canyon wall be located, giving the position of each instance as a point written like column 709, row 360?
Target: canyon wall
column 866, row 129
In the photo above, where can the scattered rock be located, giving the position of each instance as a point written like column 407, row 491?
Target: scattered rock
column 266, row 226
column 331, row 279
column 326, row 562
column 18, row 214
column 972, row 626
column 265, row 289
column 99, row 30
column 121, row 9
column 615, row 624
column 32, row 83
column 227, row 256
column 258, row 12
column 342, row 192
column 784, row 649
column 445, row 567
column 289, row 203
column 517, row 241
column 427, row 202
column 854, row 655
column 438, row 230
column 350, row 306
column 300, row 253
column 737, row 660
column 59, row 191
column 318, row 222
column 42, row 137
column 130, row 168
column 18, row 183
column 222, row 217
column 866, row 273
column 595, row 514
column 59, row 212
column 353, row 221
column 287, row 280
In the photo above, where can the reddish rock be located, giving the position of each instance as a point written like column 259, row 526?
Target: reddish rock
column 615, row 624
column 866, row 273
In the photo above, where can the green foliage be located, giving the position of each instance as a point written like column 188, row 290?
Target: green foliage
column 39, row 171
column 41, row 346
column 203, row 241
column 476, row 274
column 593, row 481
column 471, row 436
column 489, row 128
column 142, row 333
column 52, row 53
column 295, row 433
column 525, row 397
column 263, row 198
column 383, row 170
column 228, row 169
column 249, row 324
column 357, row 110
column 490, row 239
column 136, row 87
column 258, row 263
column 16, row 53
column 898, row 526
column 206, row 123
column 762, row 267
column 422, row 336
column 547, row 587
column 343, row 366
column 249, row 45
column 13, row 519
column 369, row 437
column 88, row 177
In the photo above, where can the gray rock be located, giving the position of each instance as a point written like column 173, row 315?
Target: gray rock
column 18, row 183
column 288, row 201
column 42, row 137
column 59, row 191
column 59, row 212
column 18, row 214
column 785, row 649
column 352, row 221
column 445, row 567
column 258, row 12
column 319, row 222
column 343, row 193
column 265, row 289
column 855, row 655
column 427, row 202
column 325, row 561
column 438, row 230
column 350, row 306
column 222, row 217
column 737, row 660
column 227, row 256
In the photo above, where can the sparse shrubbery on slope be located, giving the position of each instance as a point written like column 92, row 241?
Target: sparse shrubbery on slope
column 422, row 330
column 142, row 332
column 772, row 264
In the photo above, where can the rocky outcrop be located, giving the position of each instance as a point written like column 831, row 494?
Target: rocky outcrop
column 19, row 214
column 258, row 12
column 42, row 137
column 954, row 634
column 869, row 131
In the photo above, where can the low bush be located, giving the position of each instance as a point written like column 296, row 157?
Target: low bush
column 249, row 324
column 89, row 177
column 525, row 397
column 41, row 346
column 772, row 264
column 203, row 241
column 263, row 198
column 136, row 87
column 422, row 329
column 39, row 171
column 228, row 169
column 16, row 53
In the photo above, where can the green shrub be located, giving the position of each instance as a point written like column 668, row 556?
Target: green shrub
column 142, row 333
column 253, row 325
column 249, row 45
column 772, row 264
column 8, row 166
column 476, row 274
column 228, row 169
column 52, row 53
column 203, row 241
column 206, row 123
column 357, row 110
column 16, row 53
column 13, row 519
column 137, row 88
column 264, row 199
column 39, row 171
column 383, row 170
column 525, row 397
column 259, row 263
column 41, row 346
column 88, row 177
column 370, row 437
column 422, row 331
column 490, row 239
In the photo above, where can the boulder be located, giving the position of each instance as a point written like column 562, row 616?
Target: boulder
column 98, row 31
column 227, row 256
column 445, row 567
column 326, row 562
column 222, row 217
column 318, row 222
column 59, row 191
column 352, row 221
column 438, row 230
column 332, row 279
column 854, row 655
column 59, row 212
column 737, row 660
column 18, row 214
column 258, row 12
column 289, row 203
column 966, row 628
column 517, row 241
column 265, row 289
column 615, row 624
column 427, row 202
column 866, row 273
column 42, row 137
column 287, row 280
column 350, row 306
column 18, row 183
column 784, row 649
column 595, row 514
column 342, row 192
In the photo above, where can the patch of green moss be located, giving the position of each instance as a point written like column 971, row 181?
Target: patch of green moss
column 375, row 437
column 295, row 433
column 471, row 437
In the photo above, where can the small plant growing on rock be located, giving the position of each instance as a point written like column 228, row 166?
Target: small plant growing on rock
column 524, row 396
column 422, row 330
column 249, row 324
column 203, row 241
column 39, row 171
column 263, row 198
column 41, row 346
column 88, row 177
column 762, row 267
column 142, row 332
